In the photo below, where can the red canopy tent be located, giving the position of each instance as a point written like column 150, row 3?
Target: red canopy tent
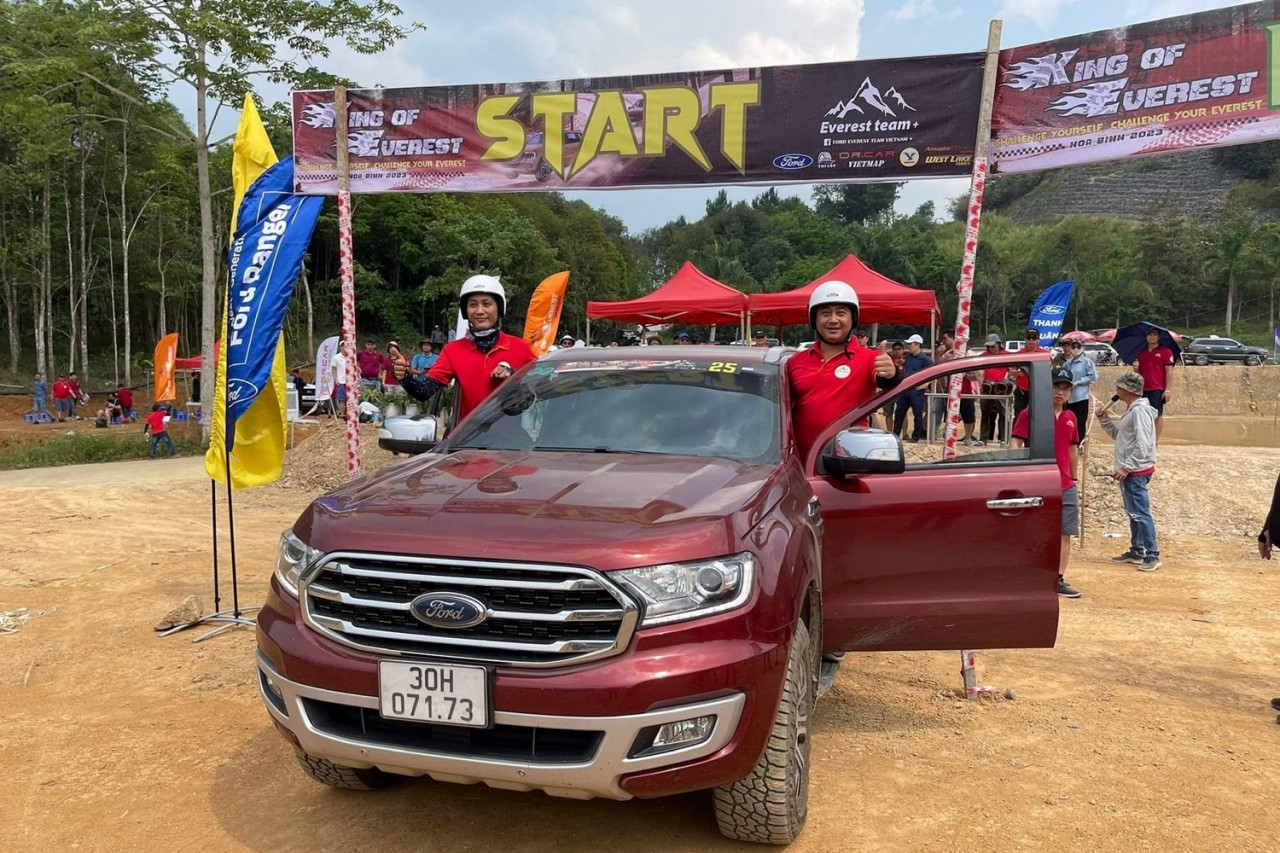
column 882, row 299
column 691, row 296
column 193, row 363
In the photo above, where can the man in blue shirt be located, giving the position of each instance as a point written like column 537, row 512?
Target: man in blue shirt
column 424, row 359
column 915, row 361
column 1083, row 374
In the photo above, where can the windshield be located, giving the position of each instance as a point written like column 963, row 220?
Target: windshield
column 633, row 406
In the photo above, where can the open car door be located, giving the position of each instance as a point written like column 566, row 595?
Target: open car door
column 946, row 553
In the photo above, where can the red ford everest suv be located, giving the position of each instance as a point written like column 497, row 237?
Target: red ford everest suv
column 617, row 578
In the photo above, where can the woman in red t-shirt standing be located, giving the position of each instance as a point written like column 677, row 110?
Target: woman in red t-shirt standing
column 482, row 360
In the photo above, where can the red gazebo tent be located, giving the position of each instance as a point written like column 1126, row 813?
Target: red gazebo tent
column 690, row 296
column 882, row 299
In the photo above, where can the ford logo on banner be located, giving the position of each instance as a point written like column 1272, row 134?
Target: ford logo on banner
column 1050, row 310
column 448, row 610
column 792, row 162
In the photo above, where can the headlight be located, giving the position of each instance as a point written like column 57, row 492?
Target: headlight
column 676, row 591
column 292, row 557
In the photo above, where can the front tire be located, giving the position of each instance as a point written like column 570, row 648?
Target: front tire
column 1202, row 360
column 770, row 806
column 1252, row 360
column 340, row 776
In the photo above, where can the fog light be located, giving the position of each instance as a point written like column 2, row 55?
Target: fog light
column 273, row 693
column 653, row 740
column 684, row 733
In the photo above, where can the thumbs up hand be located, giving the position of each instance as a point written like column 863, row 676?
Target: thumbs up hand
column 885, row 368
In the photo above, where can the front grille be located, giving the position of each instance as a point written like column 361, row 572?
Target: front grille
column 538, row 615
column 502, row 742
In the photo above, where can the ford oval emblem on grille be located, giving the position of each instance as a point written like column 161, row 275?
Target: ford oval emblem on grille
column 448, row 610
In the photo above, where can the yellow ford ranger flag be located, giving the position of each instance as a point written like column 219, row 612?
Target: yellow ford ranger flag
column 257, row 455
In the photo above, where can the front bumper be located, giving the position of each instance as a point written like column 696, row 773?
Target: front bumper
column 568, row 732
column 304, row 712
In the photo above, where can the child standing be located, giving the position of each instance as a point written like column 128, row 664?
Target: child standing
column 1066, row 450
column 40, row 393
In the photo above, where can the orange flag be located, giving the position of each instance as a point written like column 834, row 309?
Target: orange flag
column 544, row 312
column 166, row 354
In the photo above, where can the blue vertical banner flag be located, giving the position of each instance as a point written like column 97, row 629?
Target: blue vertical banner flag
column 1050, row 311
column 273, row 231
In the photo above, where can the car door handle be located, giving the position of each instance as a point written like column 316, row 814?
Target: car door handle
column 1015, row 503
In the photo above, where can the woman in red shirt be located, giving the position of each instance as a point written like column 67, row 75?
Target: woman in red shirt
column 482, row 360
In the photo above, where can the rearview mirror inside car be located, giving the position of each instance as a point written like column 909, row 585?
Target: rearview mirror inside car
column 859, row 450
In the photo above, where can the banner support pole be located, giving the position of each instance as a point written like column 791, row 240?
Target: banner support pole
column 346, row 267
column 964, row 288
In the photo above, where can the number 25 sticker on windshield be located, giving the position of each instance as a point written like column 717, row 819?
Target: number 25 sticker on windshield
column 723, row 367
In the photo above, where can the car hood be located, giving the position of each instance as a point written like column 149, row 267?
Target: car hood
column 604, row 510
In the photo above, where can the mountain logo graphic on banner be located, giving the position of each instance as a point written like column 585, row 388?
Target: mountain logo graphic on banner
column 870, row 95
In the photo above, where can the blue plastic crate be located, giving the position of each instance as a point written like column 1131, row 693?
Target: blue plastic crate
column 29, row 418
column 179, row 416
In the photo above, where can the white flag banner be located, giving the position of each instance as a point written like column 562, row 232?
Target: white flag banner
column 324, row 365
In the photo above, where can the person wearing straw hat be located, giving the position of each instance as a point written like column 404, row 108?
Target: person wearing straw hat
column 1135, row 463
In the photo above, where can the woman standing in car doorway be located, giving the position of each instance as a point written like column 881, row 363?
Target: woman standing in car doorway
column 482, row 360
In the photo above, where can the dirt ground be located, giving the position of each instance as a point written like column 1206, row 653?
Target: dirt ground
column 1146, row 728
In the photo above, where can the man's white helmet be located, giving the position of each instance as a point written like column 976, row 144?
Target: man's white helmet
column 833, row 293
column 487, row 284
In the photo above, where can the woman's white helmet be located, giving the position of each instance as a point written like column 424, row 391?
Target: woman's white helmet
column 487, row 284
column 833, row 293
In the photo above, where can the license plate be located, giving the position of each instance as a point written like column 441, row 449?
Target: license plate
column 434, row 693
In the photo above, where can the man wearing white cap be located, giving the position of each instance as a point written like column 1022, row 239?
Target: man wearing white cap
column 915, row 361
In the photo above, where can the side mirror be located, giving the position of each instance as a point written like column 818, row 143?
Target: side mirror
column 859, row 450
column 409, row 435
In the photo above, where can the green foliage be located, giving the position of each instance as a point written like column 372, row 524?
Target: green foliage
column 1258, row 161
column 850, row 203
column 111, row 445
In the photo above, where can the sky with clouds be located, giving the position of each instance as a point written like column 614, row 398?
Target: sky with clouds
column 515, row 40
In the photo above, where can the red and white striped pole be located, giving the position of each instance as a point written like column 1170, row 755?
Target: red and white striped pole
column 968, row 669
column 964, row 303
column 346, row 271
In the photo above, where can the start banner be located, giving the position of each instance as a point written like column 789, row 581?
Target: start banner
column 876, row 120
column 1194, row 81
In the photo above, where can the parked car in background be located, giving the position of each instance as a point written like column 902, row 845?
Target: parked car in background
column 1101, row 353
column 1215, row 350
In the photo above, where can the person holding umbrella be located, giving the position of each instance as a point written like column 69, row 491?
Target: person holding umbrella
column 1152, row 352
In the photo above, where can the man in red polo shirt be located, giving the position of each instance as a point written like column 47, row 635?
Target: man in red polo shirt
column 995, row 381
column 482, row 360
column 836, row 373
column 1155, row 365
